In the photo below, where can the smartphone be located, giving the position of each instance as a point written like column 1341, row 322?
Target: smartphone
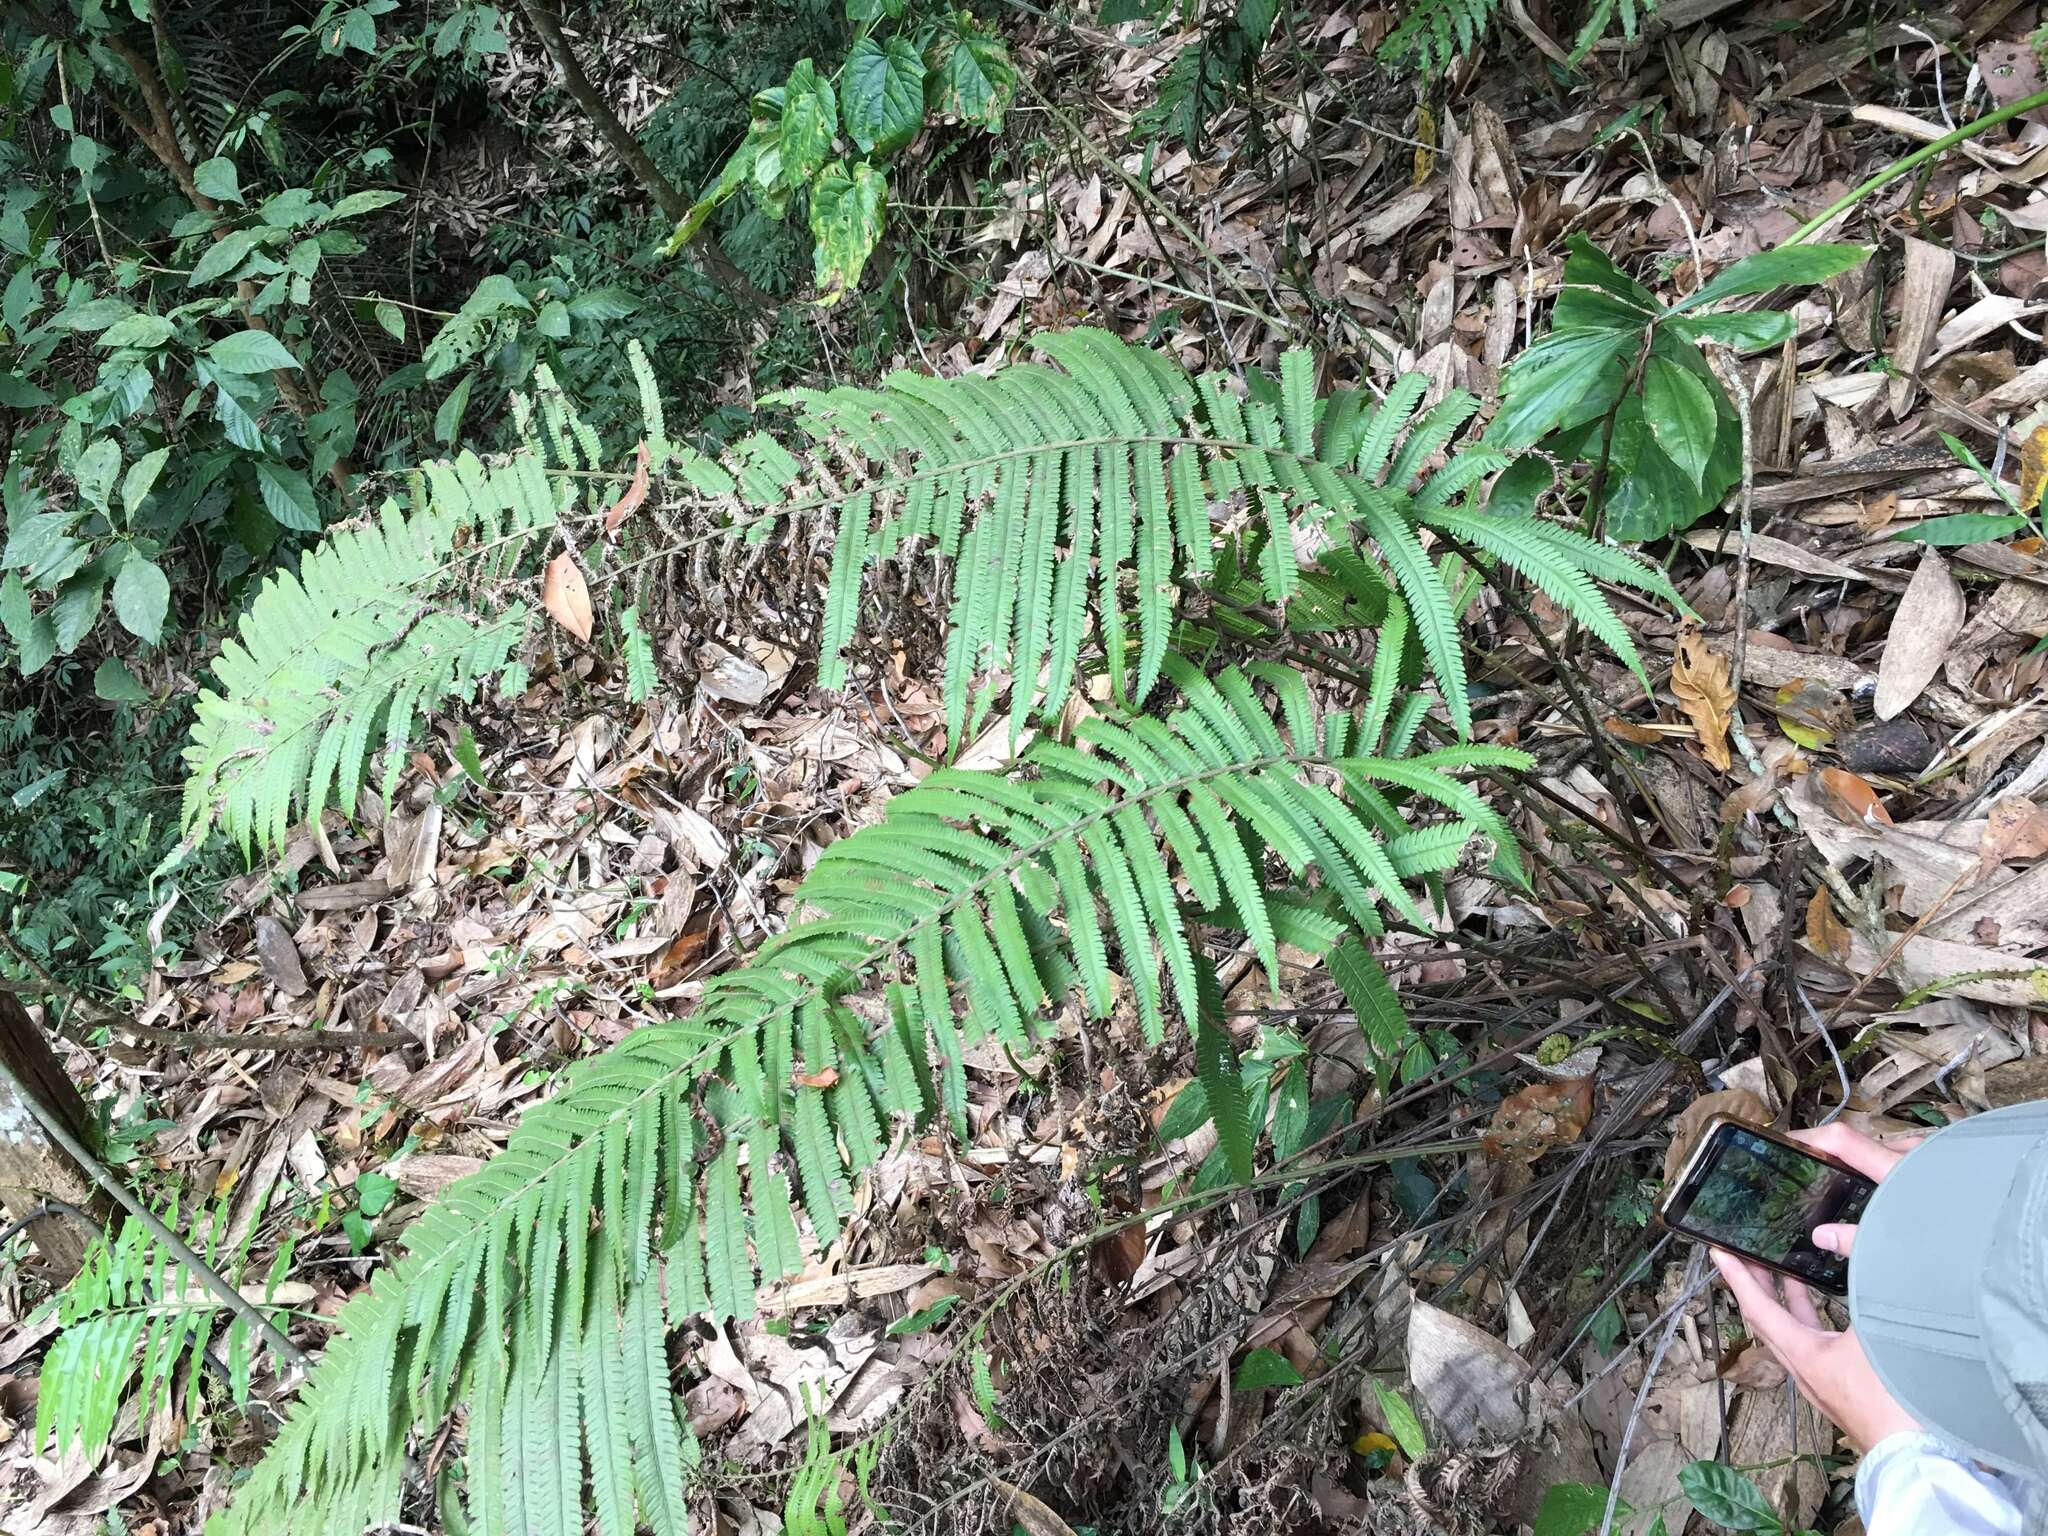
column 1760, row 1195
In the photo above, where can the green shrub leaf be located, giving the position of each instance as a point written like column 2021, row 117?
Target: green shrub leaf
column 1962, row 528
column 217, row 179
column 1264, row 1367
column 1784, row 267
column 1572, row 1509
column 142, row 596
column 1728, row 1498
column 1681, row 415
column 881, row 99
column 250, row 352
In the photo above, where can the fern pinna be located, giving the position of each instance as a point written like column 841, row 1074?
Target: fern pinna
column 663, row 1180
column 1068, row 503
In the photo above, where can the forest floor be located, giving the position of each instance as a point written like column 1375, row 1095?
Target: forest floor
column 1748, row 881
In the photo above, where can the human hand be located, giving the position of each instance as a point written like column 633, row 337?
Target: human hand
column 1830, row 1368
column 1871, row 1158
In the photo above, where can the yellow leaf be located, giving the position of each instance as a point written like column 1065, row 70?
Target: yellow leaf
column 1425, row 144
column 2033, row 467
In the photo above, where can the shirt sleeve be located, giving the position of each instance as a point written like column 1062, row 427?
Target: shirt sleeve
column 1913, row 1484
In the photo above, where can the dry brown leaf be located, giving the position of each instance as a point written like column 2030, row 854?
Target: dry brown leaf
column 1930, row 270
column 1930, row 616
column 1851, row 798
column 2014, row 829
column 1735, row 1103
column 1532, row 1120
column 1699, row 681
column 629, row 503
column 1030, row 1511
column 566, row 595
column 1628, row 730
column 2033, row 467
column 1824, row 931
column 824, row 1079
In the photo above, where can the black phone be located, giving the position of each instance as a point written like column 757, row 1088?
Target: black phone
column 1760, row 1195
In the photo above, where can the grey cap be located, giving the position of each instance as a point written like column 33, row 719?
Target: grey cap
column 1948, row 1285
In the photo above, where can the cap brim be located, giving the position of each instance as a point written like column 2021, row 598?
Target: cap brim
column 1916, row 1276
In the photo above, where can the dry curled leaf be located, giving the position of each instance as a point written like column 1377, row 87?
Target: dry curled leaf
column 629, row 503
column 1734, row 1103
column 1851, row 798
column 1532, row 1120
column 1824, row 931
column 1628, row 730
column 1699, row 681
column 566, row 595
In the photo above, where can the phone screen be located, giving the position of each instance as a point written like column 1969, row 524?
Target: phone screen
column 1762, row 1198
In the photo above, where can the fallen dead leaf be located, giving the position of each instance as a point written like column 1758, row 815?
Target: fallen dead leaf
column 566, row 595
column 1031, row 1512
column 1851, row 797
column 2033, row 467
column 1699, row 681
column 1473, row 1385
column 1734, row 1103
column 629, row 502
column 1930, row 616
column 2013, row 829
column 1824, row 931
column 1532, row 1120
column 1628, row 730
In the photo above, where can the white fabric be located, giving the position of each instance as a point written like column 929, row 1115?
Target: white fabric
column 1912, row 1484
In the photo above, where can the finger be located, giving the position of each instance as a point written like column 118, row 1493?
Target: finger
column 1871, row 1158
column 1836, row 1237
column 1763, row 1314
column 1799, row 1302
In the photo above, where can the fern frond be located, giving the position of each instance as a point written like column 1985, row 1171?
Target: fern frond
column 657, row 1169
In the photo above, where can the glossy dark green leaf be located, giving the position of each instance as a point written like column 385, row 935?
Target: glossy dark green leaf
column 1751, row 332
column 1264, row 1368
column 881, row 94
column 1681, row 415
column 1728, row 1498
column 1549, row 380
column 1572, row 1509
column 1598, row 295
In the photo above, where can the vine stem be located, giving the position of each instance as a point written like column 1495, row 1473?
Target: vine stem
column 1918, row 157
column 211, row 1278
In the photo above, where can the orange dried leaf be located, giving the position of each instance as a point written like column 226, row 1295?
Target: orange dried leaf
column 1699, row 681
column 2014, row 828
column 1628, row 730
column 1824, row 931
column 1532, row 1120
column 1850, row 798
column 824, row 1079
column 566, row 596
column 635, row 493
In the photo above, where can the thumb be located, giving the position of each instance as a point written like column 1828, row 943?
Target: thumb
column 1835, row 1237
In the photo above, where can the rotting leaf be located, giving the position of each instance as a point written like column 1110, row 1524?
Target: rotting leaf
column 1851, row 798
column 635, row 493
column 1532, row 1120
column 1699, row 681
column 566, row 595
column 1824, row 931
column 1811, row 713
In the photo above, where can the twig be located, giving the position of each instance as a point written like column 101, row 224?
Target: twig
column 226, row 1294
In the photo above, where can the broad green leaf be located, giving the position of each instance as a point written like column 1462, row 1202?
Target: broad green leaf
column 1401, row 1421
column 810, row 116
column 881, row 96
column 1264, row 1367
column 1681, row 415
column 95, row 470
column 225, row 254
column 15, row 612
column 137, row 331
column 374, row 1192
column 1751, row 332
column 93, row 314
column 1728, row 1498
column 142, row 596
column 288, row 496
column 38, row 540
column 364, row 202
column 1572, row 1509
column 250, row 352
column 448, row 419
column 1598, row 295
column 1780, row 268
column 116, row 684
column 1962, row 528
column 1547, row 381
column 846, row 221
column 141, row 478
column 970, row 76
column 19, row 393
column 392, row 318
column 218, row 179
column 1648, row 496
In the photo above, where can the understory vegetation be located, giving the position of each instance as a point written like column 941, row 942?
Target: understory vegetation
column 404, row 401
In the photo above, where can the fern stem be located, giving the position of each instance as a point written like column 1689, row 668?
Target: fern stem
column 228, row 1296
